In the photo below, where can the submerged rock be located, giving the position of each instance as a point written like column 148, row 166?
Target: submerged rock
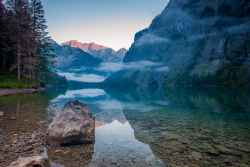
column 174, row 146
column 169, row 136
column 197, row 155
column 213, row 152
column 200, row 136
column 74, row 124
column 31, row 161
column 74, row 155
column 1, row 113
column 227, row 151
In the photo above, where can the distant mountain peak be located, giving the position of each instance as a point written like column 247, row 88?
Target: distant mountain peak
column 105, row 53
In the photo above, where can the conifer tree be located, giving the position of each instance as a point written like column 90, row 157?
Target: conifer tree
column 44, row 48
column 2, row 32
column 18, row 11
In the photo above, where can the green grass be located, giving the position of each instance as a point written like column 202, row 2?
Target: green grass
column 10, row 81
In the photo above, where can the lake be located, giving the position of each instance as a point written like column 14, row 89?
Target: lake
column 144, row 126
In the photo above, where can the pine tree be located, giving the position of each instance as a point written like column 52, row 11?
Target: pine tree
column 18, row 12
column 3, row 34
column 44, row 48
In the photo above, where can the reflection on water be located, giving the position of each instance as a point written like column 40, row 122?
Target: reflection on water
column 143, row 126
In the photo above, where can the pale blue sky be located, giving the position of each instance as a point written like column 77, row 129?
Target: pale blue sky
column 112, row 23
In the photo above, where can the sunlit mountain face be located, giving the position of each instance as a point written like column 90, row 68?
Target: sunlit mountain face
column 102, row 52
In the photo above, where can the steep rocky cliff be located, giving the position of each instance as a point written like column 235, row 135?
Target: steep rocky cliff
column 70, row 57
column 99, row 51
column 194, row 42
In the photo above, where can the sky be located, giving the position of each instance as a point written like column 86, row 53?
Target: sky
column 111, row 23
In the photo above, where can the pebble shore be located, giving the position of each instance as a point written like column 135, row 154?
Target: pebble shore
column 15, row 145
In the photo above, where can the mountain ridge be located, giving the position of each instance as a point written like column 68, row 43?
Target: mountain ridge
column 70, row 57
column 194, row 42
column 105, row 53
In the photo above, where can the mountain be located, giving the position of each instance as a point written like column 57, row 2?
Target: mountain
column 70, row 57
column 192, row 42
column 99, row 51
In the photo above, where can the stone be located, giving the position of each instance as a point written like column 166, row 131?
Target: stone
column 89, row 151
column 213, row 152
column 169, row 136
column 230, row 158
column 163, row 128
column 176, row 154
column 232, row 146
column 13, row 118
column 245, row 149
column 191, row 158
column 227, row 151
column 184, row 141
column 113, row 160
column 73, row 125
column 29, row 148
column 57, row 151
column 1, row 113
column 197, row 155
column 41, row 122
column 72, row 155
column 150, row 158
column 66, row 152
column 200, row 136
column 174, row 146
column 31, row 162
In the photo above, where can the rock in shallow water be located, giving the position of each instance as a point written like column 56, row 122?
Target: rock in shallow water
column 74, row 124
column 174, row 146
column 169, row 136
column 71, row 156
column 31, row 161
column 228, row 151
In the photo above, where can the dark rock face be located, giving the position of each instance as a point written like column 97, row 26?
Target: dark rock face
column 31, row 161
column 190, row 37
column 74, row 124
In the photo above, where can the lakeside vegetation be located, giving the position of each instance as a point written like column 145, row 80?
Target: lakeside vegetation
column 26, row 58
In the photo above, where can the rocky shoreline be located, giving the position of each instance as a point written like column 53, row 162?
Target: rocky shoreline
column 8, row 91
column 15, row 145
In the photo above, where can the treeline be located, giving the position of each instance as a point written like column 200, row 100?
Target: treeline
column 226, row 76
column 25, row 48
column 59, row 80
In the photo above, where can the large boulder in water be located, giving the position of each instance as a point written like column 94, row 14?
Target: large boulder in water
column 74, row 124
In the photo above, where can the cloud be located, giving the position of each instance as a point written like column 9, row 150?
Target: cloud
column 163, row 103
column 150, row 39
column 239, row 28
column 83, row 77
column 162, row 69
column 82, row 93
column 109, row 67
column 117, row 105
column 79, row 69
column 113, row 67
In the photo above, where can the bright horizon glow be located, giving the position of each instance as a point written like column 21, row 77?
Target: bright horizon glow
column 110, row 23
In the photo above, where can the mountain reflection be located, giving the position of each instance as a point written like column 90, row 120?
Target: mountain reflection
column 165, row 126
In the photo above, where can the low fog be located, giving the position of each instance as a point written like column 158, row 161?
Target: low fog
column 150, row 39
column 90, row 75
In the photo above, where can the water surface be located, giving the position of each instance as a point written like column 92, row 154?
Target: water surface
column 144, row 126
